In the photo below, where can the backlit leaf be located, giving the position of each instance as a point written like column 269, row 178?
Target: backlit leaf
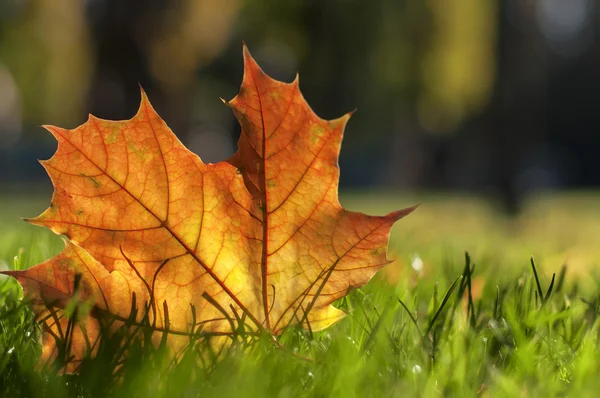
column 158, row 239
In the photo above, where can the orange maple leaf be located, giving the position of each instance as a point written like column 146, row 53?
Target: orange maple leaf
column 196, row 249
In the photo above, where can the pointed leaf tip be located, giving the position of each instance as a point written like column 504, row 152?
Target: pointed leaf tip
column 250, row 64
column 143, row 95
column 51, row 128
column 397, row 215
column 144, row 101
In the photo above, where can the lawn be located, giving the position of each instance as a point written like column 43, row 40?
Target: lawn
column 437, row 322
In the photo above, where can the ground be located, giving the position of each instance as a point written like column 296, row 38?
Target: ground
column 429, row 325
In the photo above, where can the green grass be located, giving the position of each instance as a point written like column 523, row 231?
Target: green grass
column 487, row 325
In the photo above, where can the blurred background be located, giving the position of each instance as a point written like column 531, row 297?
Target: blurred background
column 495, row 96
column 492, row 99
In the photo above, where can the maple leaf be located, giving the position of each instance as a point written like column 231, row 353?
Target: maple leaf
column 199, row 249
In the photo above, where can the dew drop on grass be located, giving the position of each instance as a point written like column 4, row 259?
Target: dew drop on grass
column 352, row 341
column 417, row 263
column 416, row 369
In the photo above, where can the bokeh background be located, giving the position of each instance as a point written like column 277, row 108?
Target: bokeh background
column 491, row 99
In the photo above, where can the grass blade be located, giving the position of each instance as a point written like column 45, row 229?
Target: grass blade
column 443, row 304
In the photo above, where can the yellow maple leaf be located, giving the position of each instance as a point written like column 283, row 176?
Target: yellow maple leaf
column 195, row 249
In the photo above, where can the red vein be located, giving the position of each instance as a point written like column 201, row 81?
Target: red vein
column 162, row 158
column 203, row 209
column 287, row 110
column 95, row 279
column 95, row 122
column 303, row 175
column 303, row 223
column 264, row 259
column 97, row 228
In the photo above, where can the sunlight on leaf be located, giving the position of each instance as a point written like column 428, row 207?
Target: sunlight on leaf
column 159, row 240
